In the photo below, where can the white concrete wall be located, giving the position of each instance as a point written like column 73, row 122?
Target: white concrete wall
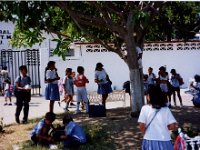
column 186, row 62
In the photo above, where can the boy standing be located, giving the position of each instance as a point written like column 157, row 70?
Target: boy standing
column 80, row 83
column 23, row 94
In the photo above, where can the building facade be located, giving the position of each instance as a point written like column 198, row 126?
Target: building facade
column 180, row 55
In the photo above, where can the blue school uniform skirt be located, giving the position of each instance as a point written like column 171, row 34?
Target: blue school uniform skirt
column 104, row 88
column 156, row 145
column 52, row 92
column 7, row 94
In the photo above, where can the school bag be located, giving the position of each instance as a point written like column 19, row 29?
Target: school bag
column 11, row 88
column 15, row 90
column 179, row 143
column 196, row 100
column 180, row 79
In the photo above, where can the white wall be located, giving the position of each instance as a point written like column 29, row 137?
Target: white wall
column 115, row 67
column 185, row 61
column 6, row 30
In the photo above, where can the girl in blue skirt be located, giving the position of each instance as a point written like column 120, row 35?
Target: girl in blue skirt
column 103, row 81
column 52, row 90
column 155, row 121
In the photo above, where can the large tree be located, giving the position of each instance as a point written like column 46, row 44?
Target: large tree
column 118, row 26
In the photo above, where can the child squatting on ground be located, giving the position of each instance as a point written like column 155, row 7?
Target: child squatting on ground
column 39, row 134
column 74, row 135
column 80, row 82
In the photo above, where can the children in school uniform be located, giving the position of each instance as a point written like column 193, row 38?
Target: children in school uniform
column 80, row 83
column 39, row 134
column 51, row 78
column 74, row 134
column 7, row 92
column 68, row 84
column 23, row 94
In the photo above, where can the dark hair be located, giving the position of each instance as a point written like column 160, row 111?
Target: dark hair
column 150, row 68
column 49, row 64
column 67, row 118
column 157, row 98
column 5, row 68
column 197, row 78
column 80, row 69
column 23, row 67
column 162, row 68
column 50, row 116
column 7, row 81
column 68, row 70
column 98, row 66
column 173, row 71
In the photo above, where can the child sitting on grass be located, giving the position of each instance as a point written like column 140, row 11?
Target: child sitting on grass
column 40, row 132
column 74, row 134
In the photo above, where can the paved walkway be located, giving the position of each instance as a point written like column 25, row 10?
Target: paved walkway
column 39, row 106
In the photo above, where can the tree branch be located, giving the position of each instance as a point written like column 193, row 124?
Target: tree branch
column 84, row 30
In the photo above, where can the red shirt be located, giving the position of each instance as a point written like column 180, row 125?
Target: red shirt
column 80, row 80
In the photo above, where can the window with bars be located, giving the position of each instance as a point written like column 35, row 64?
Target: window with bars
column 70, row 53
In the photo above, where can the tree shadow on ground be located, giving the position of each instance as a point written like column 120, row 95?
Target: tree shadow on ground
column 124, row 130
column 121, row 127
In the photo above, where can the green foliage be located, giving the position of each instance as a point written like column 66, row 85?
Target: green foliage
column 26, row 38
column 62, row 46
column 170, row 20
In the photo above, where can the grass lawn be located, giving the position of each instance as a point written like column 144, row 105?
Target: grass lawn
column 117, row 131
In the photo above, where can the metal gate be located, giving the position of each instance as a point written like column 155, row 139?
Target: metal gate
column 31, row 58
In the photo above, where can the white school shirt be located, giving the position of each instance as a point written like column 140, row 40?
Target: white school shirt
column 164, row 86
column 151, row 78
column 101, row 75
column 51, row 74
column 158, row 129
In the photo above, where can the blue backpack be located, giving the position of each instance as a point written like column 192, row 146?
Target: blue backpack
column 196, row 100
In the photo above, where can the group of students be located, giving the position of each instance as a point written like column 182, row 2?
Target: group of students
column 45, row 134
column 169, row 85
column 52, row 89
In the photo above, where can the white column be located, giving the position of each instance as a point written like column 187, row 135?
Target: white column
column 44, row 59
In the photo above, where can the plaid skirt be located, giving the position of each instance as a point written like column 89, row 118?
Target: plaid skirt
column 156, row 145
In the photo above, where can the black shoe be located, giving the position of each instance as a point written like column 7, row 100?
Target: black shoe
column 24, row 122
column 17, row 120
column 72, row 104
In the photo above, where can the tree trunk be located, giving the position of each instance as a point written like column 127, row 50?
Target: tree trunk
column 136, row 80
column 137, row 96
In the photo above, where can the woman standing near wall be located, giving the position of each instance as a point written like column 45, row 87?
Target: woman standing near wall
column 103, row 81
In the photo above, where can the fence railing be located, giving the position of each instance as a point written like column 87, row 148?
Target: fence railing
column 116, row 95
